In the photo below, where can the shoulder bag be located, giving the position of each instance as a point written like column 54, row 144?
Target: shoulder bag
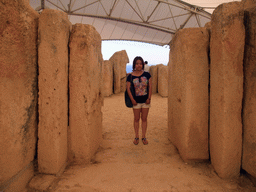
column 128, row 101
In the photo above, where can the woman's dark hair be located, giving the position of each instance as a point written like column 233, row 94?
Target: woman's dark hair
column 135, row 60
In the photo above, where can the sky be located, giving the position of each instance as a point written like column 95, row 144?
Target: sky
column 154, row 54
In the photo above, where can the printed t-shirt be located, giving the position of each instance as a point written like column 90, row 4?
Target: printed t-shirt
column 140, row 85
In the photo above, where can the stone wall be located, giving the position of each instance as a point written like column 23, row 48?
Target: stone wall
column 107, row 72
column 248, row 3
column 249, row 105
column 85, row 116
column 119, row 60
column 208, row 27
column 54, row 29
column 187, row 102
column 153, row 73
column 162, row 80
column 188, row 98
column 226, row 52
column 18, row 95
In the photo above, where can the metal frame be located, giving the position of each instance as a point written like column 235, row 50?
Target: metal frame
column 145, row 20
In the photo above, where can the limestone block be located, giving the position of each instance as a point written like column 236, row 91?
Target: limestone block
column 153, row 73
column 41, row 182
column 248, row 3
column 107, row 72
column 85, row 116
column 18, row 182
column 18, row 87
column 54, row 28
column 119, row 60
column 208, row 26
column 162, row 76
column 249, row 113
column 226, row 92
column 188, row 95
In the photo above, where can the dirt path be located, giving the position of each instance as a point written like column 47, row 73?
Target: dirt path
column 121, row 166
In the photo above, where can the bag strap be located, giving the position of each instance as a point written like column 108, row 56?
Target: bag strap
column 131, row 81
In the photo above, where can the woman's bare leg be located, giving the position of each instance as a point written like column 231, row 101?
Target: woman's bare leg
column 136, row 113
column 144, row 118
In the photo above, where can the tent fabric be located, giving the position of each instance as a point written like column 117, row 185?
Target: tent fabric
column 150, row 21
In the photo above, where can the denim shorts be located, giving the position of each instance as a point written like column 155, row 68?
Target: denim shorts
column 141, row 105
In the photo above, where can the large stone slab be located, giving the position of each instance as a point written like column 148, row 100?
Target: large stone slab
column 249, row 113
column 226, row 92
column 85, row 116
column 208, row 26
column 54, row 29
column 162, row 76
column 107, row 72
column 248, row 3
column 188, row 96
column 119, row 60
column 42, row 182
column 18, row 89
column 153, row 73
column 19, row 182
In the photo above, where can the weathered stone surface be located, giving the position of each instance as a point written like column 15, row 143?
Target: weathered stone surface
column 248, row 3
column 162, row 76
column 208, row 27
column 85, row 117
column 19, row 182
column 41, row 182
column 188, row 97
column 153, row 73
column 107, row 72
column 54, row 29
column 119, row 60
column 226, row 92
column 249, row 113
column 18, row 88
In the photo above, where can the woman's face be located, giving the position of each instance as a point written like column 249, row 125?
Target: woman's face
column 138, row 65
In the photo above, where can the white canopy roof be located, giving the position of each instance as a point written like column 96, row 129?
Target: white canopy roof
column 151, row 21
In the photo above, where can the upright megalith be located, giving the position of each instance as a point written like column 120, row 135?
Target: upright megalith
column 162, row 80
column 208, row 26
column 107, row 72
column 226, row 92
column 54, row 28
column 188, row 96
column 85, row 116
column 248, row 3
column 249, row 106
column 119, row 60
column 153, row 73
column 18, row 93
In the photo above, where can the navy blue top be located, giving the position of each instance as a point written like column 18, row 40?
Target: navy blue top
column 140, row 86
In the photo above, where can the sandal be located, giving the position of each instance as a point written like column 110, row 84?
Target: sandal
column 145, row 141
column 136, row 141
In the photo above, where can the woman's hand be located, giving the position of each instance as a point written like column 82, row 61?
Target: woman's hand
column 134, row 102
column 148, row 101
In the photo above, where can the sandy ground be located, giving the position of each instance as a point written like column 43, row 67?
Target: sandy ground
column 119, row 165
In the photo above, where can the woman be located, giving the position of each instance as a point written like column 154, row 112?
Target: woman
column 140, row 81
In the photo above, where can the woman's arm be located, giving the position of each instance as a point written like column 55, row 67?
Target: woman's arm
column 149, row 91
column 128, row 85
